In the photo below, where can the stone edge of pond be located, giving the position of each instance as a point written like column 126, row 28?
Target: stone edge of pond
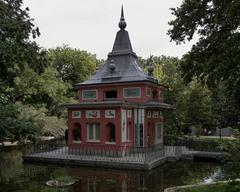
column 173, row 189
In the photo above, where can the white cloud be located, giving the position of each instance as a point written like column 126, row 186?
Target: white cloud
column 92, row 25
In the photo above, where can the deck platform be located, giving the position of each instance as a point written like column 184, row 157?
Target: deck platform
column 139, row 161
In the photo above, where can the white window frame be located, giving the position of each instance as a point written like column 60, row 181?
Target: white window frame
column 160, row 114
column 148, row 88
column 89, row 90
column 94, row 133
column 127, row 88
column 149, row 114
column 129, row 113
column 155, row 114
column 128, row 137
column 158, row 125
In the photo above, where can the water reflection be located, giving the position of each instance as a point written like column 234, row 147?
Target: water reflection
column 16, row 176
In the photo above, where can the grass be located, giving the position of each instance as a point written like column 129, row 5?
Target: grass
column 220, row 187
column 211, row 138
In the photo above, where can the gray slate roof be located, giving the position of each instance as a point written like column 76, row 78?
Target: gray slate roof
column 122, row 63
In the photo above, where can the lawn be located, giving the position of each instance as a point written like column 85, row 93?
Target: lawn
column 211, row 138
column 220, row 187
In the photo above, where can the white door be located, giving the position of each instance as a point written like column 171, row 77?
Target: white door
column 158, row 133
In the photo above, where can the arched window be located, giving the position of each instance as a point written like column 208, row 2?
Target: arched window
column 110, row 132
column 76, row 132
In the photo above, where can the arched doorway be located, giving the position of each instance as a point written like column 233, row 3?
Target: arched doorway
column 76, row 132
column 110, row 132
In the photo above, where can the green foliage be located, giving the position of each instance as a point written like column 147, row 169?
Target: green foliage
column 51, row 90
column 225, row 109
column 25, row 73
column 214, row 59
column 54, row 126
column 73, row 65
column 16, row 50
column 212, row 138
column 46, row 88
column 33, row 84
column 220, row 187
column 232, row 160
column 193, row 101
column 24, row 122
column 49, row 125
column 15, row 128
column 199, row 105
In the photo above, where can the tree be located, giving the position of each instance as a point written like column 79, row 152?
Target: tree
column 26, row 77
column 47, row 89
column 73, row 65
column 192, row 101
column 199, row 108
column 49, row 125
column 214, row 59
column 17, row 51
column 231, row 168
column 15, row 128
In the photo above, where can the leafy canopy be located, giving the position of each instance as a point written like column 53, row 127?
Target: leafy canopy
column 214, row 59
column 73, row 65
column 17, row 51
column 192, row 101
column 15, row 128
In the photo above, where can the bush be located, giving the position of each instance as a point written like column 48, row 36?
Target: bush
column 49, row 125
column 232, row 160
column 54, row 126
column 14, row 128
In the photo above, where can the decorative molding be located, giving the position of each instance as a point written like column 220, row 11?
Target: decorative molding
column 92, row 114
column 129, row 113
column 149, row 114
column 76, row 114
column 109, row 113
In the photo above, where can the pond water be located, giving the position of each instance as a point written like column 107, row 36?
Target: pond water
column 16, row 176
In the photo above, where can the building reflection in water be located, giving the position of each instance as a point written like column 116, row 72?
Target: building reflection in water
column 18, row 176
column 100, row 180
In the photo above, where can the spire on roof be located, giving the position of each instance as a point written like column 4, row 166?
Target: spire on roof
column 122, row 23
column 122, row 41
column 122, row 63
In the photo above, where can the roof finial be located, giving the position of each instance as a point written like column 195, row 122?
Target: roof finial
column 122, row 23
column 112, row 66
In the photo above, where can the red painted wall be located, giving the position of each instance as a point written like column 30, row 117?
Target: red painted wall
column 119, row 87
column 149, row 134
column 103, row 131
column 150, row 128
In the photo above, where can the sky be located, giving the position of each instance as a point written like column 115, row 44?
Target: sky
column 91, row 25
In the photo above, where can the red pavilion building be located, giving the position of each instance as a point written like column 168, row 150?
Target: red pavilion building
column 120, row 105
